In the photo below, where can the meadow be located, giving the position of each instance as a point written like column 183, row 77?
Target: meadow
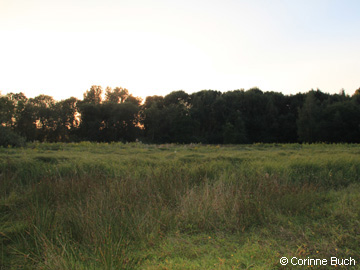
column 137, row 206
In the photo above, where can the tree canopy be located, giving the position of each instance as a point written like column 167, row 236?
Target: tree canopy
column 207, row 116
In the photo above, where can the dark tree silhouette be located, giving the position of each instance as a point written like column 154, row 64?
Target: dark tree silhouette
column 206, row 116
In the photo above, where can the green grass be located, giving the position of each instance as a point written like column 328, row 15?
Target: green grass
column 137, row 206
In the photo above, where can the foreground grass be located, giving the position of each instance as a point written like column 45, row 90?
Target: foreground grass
column 136, row 206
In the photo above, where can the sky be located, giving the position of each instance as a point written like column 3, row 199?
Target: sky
column 153, row 47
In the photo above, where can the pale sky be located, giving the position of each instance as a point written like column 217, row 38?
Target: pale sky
column 61, row 48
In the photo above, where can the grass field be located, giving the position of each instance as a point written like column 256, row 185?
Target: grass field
column 137, row 206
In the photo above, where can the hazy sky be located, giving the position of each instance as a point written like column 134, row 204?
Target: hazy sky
column 61, row 48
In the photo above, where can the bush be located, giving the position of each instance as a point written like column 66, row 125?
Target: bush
column 9, row 137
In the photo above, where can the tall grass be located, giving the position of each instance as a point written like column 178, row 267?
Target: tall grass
column 110, row 206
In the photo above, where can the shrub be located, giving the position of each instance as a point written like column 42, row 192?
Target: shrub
column 10, row 138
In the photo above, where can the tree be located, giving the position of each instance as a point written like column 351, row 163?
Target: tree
column 7, row 111
column 254, row 110
column 115, row 119
column 134, row 100
column 118, row 95
column 176, row 97
column 152, row 118
column 45, row 117
column 90, row 121
column 67, row 122
column 119, row 122
column 90, row 114
column 168, row 119
column 235, row 133
column 93, row 96
column 19, row 101
column 205, row 114
column 309, row 118
column 356, row 96
column 341, row 122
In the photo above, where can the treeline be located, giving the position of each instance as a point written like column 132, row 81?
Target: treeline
column 207, row 116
